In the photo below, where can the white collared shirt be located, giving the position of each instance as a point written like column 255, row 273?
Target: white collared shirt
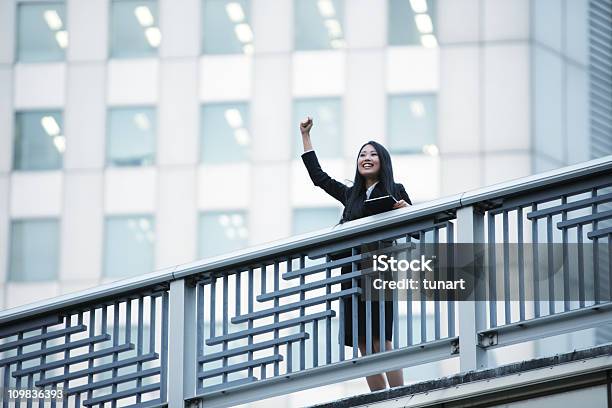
column 370, row 189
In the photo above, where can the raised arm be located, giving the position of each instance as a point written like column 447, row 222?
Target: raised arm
column 320, row 178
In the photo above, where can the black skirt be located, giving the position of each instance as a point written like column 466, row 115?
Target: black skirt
column 361, row 307
column 361, row 316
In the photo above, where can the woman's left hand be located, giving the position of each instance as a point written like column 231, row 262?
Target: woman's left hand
column 400, row 204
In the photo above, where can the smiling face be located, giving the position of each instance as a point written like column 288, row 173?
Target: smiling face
column 368, row 163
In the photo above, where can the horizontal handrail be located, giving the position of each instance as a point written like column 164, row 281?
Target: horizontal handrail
column 534, row 182
column 313, row 239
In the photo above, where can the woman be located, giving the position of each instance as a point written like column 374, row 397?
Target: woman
column 373, row 178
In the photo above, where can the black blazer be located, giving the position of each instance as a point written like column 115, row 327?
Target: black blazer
column 340, row 191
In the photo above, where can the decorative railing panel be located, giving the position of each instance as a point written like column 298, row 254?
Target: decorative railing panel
column 112, row 352
column 567, row 265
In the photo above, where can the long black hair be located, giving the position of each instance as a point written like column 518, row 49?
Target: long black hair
column 354, row 204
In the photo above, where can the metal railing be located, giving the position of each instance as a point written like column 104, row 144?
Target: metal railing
column 267, row 320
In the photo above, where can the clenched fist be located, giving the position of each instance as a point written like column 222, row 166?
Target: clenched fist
column 306, row 125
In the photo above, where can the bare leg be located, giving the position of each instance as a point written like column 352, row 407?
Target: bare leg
column 377, row 381
column 395, row 378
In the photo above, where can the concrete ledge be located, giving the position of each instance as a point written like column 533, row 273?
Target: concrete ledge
column 474, row 383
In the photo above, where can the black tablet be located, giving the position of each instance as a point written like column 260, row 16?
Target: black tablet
column 380, row 204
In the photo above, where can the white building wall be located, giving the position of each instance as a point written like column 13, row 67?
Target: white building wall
column 85, row 117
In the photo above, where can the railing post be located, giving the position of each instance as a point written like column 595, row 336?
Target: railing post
column 182, row 359
column 472, row 313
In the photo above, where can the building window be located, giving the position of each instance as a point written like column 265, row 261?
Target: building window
column 224, row 134
column 412, row 23
column 222, row 232
column 319, row 24
column 327, row 128
column 128, row 246
column 39, row 140
column 41, row 32
column 412, row 124
column 34, row 250
column 312, row 219
column 134, row 29
column 131, row 137
column 226, row 28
